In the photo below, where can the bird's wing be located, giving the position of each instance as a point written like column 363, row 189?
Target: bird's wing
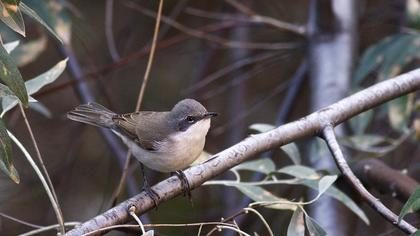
column 146, row 128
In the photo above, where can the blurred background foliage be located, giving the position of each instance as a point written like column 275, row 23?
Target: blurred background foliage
column 235, row 64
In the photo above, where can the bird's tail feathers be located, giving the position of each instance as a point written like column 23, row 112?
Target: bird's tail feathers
column 93, row 114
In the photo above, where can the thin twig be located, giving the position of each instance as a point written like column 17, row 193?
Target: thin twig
column 243, row 77
column 20, row 221
column 228, row 69
column 141, row 95
column 200, row 224
column 278, row 89
column 266, row 19
column 375, row 203
column 86, row 95
column 109, row 32
column 44, row 169
column 135, row 56
column 259, row 19
column 38, row 173
column 48, row 228
column 270, row 232
column 212, row 38
column 220, row 227
column 131, row 210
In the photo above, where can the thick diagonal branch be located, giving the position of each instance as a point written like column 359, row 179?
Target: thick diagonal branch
column 308, row 126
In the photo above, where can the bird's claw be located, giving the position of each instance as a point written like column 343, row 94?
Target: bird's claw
column 151, row 193
column 185, row 184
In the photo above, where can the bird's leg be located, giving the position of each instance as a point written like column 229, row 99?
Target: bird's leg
column 184, row 183
column 146, row 187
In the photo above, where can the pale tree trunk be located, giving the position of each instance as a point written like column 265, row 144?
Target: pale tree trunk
column 331, row 63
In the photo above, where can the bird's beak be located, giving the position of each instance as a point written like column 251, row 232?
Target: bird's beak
column 209, row 115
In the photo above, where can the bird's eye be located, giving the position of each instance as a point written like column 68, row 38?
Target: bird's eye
column 190, row 119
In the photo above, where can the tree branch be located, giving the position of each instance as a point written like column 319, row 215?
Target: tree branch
column 308, row 126
column 378, row 175
column 375, row 203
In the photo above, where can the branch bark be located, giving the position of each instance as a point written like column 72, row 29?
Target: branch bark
column 305, row 127
column 376, row 174
column 375, row 203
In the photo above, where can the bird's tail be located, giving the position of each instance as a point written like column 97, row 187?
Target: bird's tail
column 93, row 114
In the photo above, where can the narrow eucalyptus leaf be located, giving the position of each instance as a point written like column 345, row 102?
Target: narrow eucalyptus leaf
column 325, row 182
column 412, row 204
column 11, row 76
column 10, row 14
column 340, row 196
column 31, row 13
column 299, row 171
column 260, row 194
column 11, row 172
column 11, row 46
column 6, row 153
column 263, row 165
column 292, row 152
column 28, row 51
column 35, row 84
column 313, row 227
column 297, row 224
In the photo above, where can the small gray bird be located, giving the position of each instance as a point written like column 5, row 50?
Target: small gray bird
column 163, row 141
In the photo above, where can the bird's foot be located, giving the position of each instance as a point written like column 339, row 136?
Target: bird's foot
column 151, row 193
column 185, row 184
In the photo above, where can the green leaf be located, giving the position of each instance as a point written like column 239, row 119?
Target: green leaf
column 318, row 149
column 325, row 183
column 297, row 224
column 11, row 16
column 54, row 15
column 299, row 171
column 292, row 152
column 40, row 108
column 374, row 145
column 5, row 91
column 311, row 179
column 11, row 172
column 340, row 196
column 372, row 58
column 262, row 165
column 11, row 46
column 28, row 11
column 313, row 227
column 262, row 127
column 6, row 154
column 11, row 76
column 29, row 51
column 412, row 204
column 365, row 141
column 399, row 54
column 35, row 84
column 260, row 194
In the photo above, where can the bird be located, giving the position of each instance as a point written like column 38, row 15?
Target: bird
column 165, row 141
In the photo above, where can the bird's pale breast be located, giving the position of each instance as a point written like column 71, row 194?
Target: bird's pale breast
column 176, row 152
